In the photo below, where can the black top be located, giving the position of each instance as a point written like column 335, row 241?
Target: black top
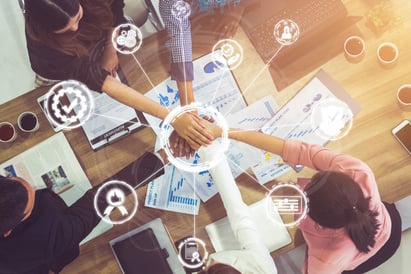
column 56, row 65
column 50, row 237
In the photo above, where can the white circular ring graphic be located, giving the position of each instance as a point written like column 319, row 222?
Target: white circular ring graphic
column 167, row 129
column 105, row 218
column 269, row 204
column 127, row 41
column 83, row 98
column 181, row 10
column 286, row 32
column 227, row 54
column 331, row 119
column 196, row 240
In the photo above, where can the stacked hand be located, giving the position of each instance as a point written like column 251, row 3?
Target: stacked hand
column 185, row 142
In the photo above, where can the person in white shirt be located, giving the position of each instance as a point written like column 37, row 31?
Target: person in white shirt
column 254, row 257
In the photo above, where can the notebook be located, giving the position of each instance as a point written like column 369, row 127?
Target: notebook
column 275, row 235
column 318, row 21
column 146, row 249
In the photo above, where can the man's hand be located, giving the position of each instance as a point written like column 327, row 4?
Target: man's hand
column 180, row 146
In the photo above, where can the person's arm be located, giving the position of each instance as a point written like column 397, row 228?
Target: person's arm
column 238, row 213
column 117, row 8
column 180, row 47
column 187, row 125
column 55, row 65
column 296, row 152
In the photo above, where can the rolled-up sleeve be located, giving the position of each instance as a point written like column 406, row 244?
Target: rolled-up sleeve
column 179, row 43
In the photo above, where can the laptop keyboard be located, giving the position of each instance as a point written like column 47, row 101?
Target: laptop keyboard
column 312, row 17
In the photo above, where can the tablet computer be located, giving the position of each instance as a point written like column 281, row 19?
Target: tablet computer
column 141, row 253
column 147, row 249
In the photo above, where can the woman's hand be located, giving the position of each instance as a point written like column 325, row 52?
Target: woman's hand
column 191, row 128
column 212, row 128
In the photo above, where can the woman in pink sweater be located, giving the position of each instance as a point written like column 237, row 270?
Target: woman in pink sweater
column 348, row 228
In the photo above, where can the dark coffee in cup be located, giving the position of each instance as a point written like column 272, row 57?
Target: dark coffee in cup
column 28, row 122
column 354, row 46
column 404, row 95
column 7, row 132
column 387, row 53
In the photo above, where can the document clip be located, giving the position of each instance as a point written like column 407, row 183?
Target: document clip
column 118, row 134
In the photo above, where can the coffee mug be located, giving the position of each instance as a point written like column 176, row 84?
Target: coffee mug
column 404, row 96
column 387, row 54
column 7, row 132
column 354, row 48
column 28, row 121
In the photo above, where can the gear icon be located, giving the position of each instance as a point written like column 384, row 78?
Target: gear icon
column 78, row 96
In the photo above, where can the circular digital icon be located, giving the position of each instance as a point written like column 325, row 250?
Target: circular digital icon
column 181, row 10
column 286, row 204
column 126, row 38
column 113, row 194
column 331, row 119
column 286, row 32
column 192, row 253
column 227, row 53
column 197, row 164
column 69, row 104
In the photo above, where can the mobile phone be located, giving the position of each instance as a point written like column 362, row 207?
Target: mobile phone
column 402, row 133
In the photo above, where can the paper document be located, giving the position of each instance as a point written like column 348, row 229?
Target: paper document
column 50, row 164
column 293, row 121
column 171, row 192
column 254, row 116
column 110, row 121
column 212, row 86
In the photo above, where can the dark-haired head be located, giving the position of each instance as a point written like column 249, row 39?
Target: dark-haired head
column 13, row 203
column 50, row 15
column 337, row 201
column 219, row 268
column 69, row 26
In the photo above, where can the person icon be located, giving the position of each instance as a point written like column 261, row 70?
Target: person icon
column 286, row 33
column 115, row 199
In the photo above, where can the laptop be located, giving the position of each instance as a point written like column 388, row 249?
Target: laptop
column 318, row 22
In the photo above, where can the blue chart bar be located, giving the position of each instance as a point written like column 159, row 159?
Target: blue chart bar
column 182, row 200
column 172, row 198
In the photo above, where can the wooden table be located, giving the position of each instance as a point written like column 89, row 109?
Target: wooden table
column 370, row 139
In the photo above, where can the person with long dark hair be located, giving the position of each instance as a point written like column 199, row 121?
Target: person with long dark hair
column 61, row 37
column 348, row 228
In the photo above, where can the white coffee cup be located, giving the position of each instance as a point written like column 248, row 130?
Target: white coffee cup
column 28, row 121
column 7, row 132
column 404, row 96
column 387, row 54
column 354, row 48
